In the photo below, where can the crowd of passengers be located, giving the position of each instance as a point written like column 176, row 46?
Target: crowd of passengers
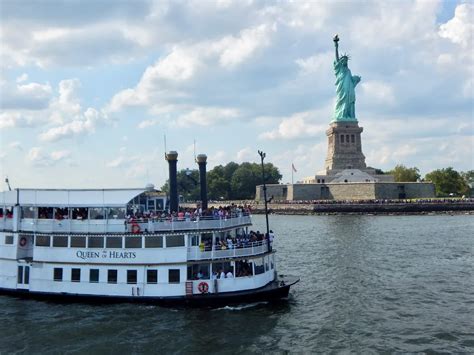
column 190, row 214
column 240, row 241
column 243, row 268
column 378, row 201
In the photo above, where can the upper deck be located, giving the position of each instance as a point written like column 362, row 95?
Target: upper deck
column 105, row 211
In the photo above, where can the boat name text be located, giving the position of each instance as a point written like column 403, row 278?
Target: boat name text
column 84, row 255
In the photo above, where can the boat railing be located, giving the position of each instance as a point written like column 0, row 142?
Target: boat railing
column 136, row 226
column 248, row 249
column 153, row 225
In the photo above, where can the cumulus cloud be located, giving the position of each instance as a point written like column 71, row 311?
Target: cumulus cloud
column 296, row 126
column 161, row 80
column 206, row 116
column 37, row 156
column 16, row 119
column 460, row 28
column 22, row 95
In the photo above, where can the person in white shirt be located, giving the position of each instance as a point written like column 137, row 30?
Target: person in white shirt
column 222, row 274
column 229, row 274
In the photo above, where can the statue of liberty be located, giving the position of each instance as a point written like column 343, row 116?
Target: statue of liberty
column 345, row 85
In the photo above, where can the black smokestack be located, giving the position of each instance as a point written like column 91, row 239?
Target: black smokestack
column 201, row 160
column 172, row 158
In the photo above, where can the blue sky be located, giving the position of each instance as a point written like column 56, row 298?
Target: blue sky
column 88, row 89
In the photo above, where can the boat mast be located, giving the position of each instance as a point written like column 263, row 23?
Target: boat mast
column 262, row 156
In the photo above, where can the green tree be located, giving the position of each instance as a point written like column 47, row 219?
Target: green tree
column 218, row 186
column 448, row 181
column 248, row 176
column 403, row 174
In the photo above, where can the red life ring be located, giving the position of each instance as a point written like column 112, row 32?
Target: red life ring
column 203, row 287
column 135, row 228
column 23, row 241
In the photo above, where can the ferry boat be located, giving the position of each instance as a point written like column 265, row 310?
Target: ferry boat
column 133, row 245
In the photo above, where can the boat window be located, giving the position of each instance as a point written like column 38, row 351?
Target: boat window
column 43, row 240
column 116, row 213
column 243, row 268
column 58, row 274
column 78, row 242
column 8, row 239
column 198, row 272
column 112, row 276
column 96, row 213
column 154, row 242
column 266, row 263
column 113, row 242
column 61, row 213
column 94, row 275
column 259, row 267
column 131, row 276
column 173, row 276
column 133, row 242
column 27, row 275
column 60, row 241
column 75, row 275
column 28, row 212
column 152, row 276
column 80, row 213
column 193, row 240
column 174, row 241
column 225, row 267
column 95, row 242
column 45, row 212
column 272, row 261
column 20, row 275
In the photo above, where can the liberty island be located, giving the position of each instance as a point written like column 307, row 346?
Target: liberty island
column 346, row 175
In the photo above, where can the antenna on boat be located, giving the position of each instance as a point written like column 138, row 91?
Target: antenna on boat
column 262, row 156
column 8, row 183
column 195, row 150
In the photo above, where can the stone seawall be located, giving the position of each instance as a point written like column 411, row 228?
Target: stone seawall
column 357, row 208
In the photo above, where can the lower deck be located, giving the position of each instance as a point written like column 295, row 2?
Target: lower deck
column 146, row 280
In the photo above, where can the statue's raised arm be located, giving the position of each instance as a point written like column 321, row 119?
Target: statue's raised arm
column 345, row 87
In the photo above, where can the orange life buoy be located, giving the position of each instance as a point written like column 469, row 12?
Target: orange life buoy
column 135, row 228
column 23, row 241
column 203, row 287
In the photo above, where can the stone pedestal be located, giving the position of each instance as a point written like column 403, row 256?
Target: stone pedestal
column 344, row 148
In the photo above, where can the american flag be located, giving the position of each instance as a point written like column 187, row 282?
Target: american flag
column 293, row 167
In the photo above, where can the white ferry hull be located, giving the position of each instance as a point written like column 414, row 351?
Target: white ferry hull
column 273, row 291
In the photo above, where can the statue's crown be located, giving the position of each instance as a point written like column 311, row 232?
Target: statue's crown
column 345, row 55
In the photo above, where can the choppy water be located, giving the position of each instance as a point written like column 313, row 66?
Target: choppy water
column 368, row 284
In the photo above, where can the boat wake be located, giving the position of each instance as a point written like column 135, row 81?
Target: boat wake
column 240, row 307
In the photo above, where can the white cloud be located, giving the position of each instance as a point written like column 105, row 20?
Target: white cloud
column 378, row 91
column 83, row 124
column 319, row 63
column 164, row 81
column 16, row 119
column 296, row 126
column 206, row 116
column 234, row 50
column 38, row 157
column 148, row 123
column 23, row 77
column 460, row 28
column 16, row 145
column 245, row 154
column 22, row 95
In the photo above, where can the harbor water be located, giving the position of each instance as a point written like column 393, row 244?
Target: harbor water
column 369, row 284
